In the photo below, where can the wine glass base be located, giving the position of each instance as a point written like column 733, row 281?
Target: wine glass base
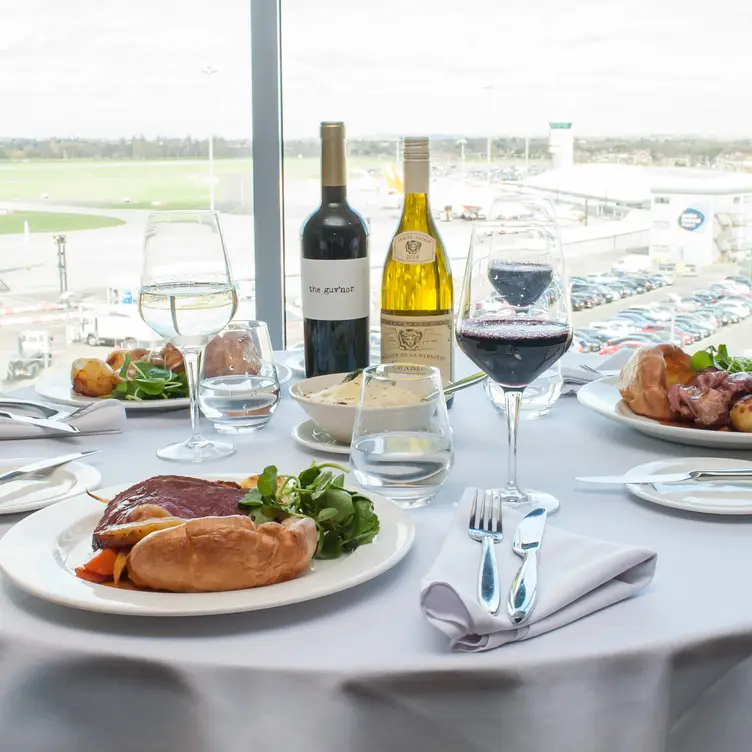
column 533, row 500
column 196, row 451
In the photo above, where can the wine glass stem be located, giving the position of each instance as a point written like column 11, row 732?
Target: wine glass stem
column 192, row 360
column 512, row 491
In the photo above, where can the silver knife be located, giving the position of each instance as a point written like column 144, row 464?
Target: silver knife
column 54, row 425
column 527, row 540
column 36, row 467
column 742, row 474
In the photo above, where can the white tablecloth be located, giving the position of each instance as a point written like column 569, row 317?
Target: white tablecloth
column 362, row 671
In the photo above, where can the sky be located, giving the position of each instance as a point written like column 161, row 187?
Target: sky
column 94, row 68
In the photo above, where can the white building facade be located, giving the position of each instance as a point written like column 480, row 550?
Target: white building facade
column 701, row 221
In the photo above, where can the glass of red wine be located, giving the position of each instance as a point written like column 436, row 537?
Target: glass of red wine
column 514, row 318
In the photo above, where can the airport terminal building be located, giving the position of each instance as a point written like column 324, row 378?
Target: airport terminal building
column 700, row 219
column 685, row 216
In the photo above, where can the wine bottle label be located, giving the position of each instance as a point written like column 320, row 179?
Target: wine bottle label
column 418, row 339
column 414, row 248
column 335, row 290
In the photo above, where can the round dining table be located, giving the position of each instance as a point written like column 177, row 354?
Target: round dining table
column 362, row 670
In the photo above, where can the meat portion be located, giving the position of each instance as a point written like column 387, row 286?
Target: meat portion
column 709, row 399
column 709, row 408
column 739, row 384
column 710, row 379
column 177, row 495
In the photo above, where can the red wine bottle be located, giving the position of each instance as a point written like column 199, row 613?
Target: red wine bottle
column 335, row 270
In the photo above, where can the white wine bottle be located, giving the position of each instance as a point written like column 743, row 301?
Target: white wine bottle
column 416, row 290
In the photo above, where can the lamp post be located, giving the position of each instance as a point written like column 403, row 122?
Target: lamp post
column 62, row 265
column 462, row 144
column 209, row 71
column 489, row 90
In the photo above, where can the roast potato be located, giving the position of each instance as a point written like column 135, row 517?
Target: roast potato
column 168, row 357
column 130, row 533
column 741, row 414
column 92, row 377
column 116, row 358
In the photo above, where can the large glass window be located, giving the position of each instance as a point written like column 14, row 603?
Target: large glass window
column 110, row 112
column 588, row 104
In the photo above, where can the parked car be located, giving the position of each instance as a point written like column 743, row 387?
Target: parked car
column 587, row 344
column 746, row 281
column 675, row 336
column 713, row 315
column 626, row 344
column 580, row 301
column 691, row 325
column 614, row 327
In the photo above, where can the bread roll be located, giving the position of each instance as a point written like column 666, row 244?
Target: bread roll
column 645, row 380
column 210, row 554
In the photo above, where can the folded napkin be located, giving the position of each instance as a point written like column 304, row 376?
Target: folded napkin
column 107, row 416
column 577, row 576
column 575, row 376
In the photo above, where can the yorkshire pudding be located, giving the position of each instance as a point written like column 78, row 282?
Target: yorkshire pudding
column 645, row 380
column 210, row 554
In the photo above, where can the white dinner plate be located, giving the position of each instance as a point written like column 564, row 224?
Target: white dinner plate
column 40, row 553
column 603, row 397
column 42, row 489
column 707, row 497
column 55, row 386
column 310, row 435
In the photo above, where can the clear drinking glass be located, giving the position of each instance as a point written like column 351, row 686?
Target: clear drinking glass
column 514, row 315
column 405, row 451
column 239, row 387
column 187, row 296
column 537, row 400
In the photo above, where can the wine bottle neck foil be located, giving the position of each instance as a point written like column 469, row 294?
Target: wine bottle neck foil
column 333, row 166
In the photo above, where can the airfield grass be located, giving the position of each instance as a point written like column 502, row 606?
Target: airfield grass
column 53, row 222
column 178, row 184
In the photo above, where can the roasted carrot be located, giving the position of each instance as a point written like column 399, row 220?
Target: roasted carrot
column 84, row 574
column 102, row 563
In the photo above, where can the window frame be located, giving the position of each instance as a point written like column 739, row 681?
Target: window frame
column 268, row 169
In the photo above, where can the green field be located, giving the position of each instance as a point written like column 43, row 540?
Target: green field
column 53, row 222
column 180, row 184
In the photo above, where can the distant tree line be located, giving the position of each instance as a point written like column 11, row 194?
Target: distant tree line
column 136, row 147
column 694, row 149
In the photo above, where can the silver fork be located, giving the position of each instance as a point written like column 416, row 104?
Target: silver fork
column 486, row 528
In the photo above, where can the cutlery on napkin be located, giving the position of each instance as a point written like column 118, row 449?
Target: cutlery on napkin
column 107, row 416
column 575, row 375
column 577, row 576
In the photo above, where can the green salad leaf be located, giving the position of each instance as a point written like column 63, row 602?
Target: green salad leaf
column 718, row 357
column 344, row 519
column 149, row 382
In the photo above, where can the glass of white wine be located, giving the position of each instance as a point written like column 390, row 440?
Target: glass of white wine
column 187, row 296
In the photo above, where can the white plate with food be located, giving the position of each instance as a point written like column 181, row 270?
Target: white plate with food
column 706, row 497
column 39, row 490
column 48, row 553
column 56, row 387
column 309, row 435
column 152, row 381
column 662, row 394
